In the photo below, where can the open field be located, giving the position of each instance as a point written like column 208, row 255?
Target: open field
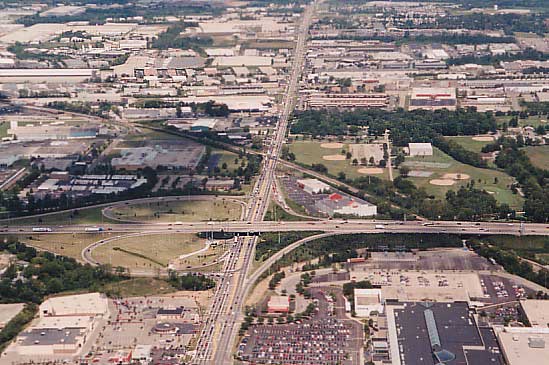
column 312, row 152
column 147, row 251
column 83, row 216
column 469, row 143
column 70, row 245
column 539, row 155
column 229, row 158
column 441, row 164
column 533, row 120
column 184, row 211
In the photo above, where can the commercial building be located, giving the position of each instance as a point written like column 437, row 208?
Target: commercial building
column 313, row 186
column 91, row 304
column 368, row 301
column 521, row 346
column 347, row 100
column 342, row 205
column 433, row 98
column 169, row 313
column 420, row 149
column 537, row 312
column 439, row 333
column 278, row 304
column 142, row 353
column 43, row 132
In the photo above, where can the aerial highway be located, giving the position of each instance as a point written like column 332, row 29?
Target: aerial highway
column 245, row 228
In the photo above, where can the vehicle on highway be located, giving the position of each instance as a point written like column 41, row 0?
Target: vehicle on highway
column 379, row 226
column 41, row 229
column 93, row 229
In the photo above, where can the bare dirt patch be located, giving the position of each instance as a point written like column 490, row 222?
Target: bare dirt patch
column 370, row 170
column 333, row 157
column 456, row 176
column 332, row 145
column 483, row 138
column 442, row 182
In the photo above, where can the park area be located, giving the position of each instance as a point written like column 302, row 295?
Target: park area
column 332, row 155
column 221, row 209
column 440, row 173
column 473, row 144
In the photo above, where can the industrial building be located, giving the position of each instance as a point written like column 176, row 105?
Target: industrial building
column 347, row 100
column 521, row 346
column 43, row 132
column 433, row 98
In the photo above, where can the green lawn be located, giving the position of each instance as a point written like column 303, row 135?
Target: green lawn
column 539, row 155
column 65, row 244
column 148, row 251
column 468, row 143
column 311, row 152
column 533, row 121
column 184, row 211
column 484, row 178
column 229, row 158
column 138, row 287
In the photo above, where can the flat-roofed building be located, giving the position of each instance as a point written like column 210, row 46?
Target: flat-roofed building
column 91, row 304
column 521, row 346
column 433, row 98
column 313, row 186
column 278, row 304
column 537, row 312
column 368, row 301
column 347, row 100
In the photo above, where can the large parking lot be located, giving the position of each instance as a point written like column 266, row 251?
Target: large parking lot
column 327, row 338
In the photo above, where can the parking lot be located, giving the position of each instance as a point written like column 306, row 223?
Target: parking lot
column 327, row 338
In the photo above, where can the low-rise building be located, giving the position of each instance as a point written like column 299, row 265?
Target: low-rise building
column 368, row 301
column 278, row 304
column 313, row 186
column 420, row 149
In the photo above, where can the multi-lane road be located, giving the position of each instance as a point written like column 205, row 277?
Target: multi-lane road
column 342, row 226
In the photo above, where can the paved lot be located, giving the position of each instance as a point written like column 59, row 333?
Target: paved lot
column 327, row 338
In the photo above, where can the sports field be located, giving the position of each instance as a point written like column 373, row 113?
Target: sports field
column 456, row 174
column 316, row 152
column 473, row 144
column 185, row 211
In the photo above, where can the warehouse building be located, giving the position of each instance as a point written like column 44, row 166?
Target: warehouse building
column 92, row 304
column 337, row 204
column 433, row 98
column 521, row 346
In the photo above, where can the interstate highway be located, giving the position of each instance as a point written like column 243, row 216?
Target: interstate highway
column 340, row 226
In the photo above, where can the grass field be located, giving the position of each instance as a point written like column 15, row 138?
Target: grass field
column 533, row 121
column 83, row 216
column 229, row 158
column 276, row 211
column 4, row 126
column 539, row 155
column 184, row 211
column 468, row 143
column 310, row 152
column 484, row 178
column 147, row 252
column 70, row 245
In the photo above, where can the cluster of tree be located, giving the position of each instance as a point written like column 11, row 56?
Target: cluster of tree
column 82, row 108
column 47, row 274
column 489, row 59
column 405, row 126
column 508, row 22
column 532, row 108
column 349, row 288
column 533, row 180
column 195, row 282
column 21, row 53
column 270, row 243
column 452, row 38
column 339, row 248
column 510, row 262
column 173, row 38
column 276, row 279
